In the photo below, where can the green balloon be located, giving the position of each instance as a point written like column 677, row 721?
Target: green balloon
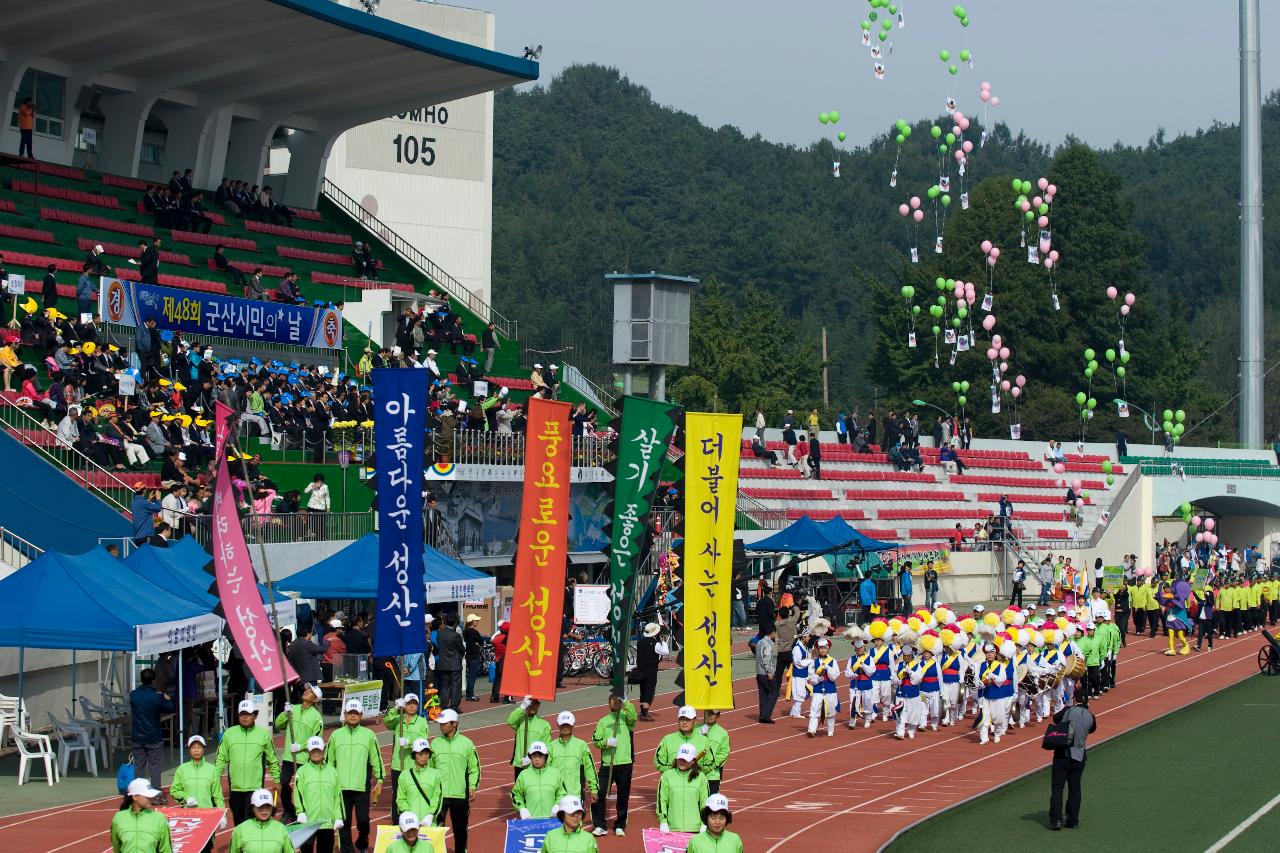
column 1124, row 357
column 824, row 117
column 1088, row 372
column 1178, row 429
column 866, row 25
column 964, row 386
column 1084, row 414
column 915, row 309
column 873, row 15
column 955, row 386
column 935, row 132
column 1107, row 467
column 951, row 69
column 886, row 25
column 962, row 312
column 884, row 35
column 834, row 116
column 1085, row 494
column 1026, row 187
column 906, row 291
column 944, row 54
column 1089, row 354
column 955, row 322
column 906, row 131
column 1029, row 215
column 840, row 136
column 1093, row 364
column 1017, row 185
column 1168, row 415
column 1168, row 426
column 940, row 282
column 942, row 149
column 1092, row 403
column 1177, row 439
column 1179, row 416
column 893, row 10
column 1110, row 480
column 933, row 191
column 951, row 139
column 946, row 201
column 935, row 310
column 964, row 22
column 1186, row 508
column 1110, row 354
column 1080, row 398
column 900, row 138
column 962, row 399
column 951, row 282
column 964, row 55
column 942, row 302
column 935, row 331
column 1120, row 372
column 1043, row 208
column 957, row 10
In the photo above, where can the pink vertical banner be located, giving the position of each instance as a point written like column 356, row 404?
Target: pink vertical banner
column 237, row 584
column 657, row 841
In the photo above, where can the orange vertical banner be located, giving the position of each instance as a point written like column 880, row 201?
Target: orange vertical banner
column 542, row 549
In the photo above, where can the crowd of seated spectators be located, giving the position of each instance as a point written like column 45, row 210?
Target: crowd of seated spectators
column 178, row 205
column 248, row 202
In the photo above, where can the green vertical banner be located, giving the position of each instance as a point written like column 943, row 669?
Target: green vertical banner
column 644, row 432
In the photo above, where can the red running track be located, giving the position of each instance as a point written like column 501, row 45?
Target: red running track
column 788, row 792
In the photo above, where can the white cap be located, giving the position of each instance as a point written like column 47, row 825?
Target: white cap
column 686, row 712
column 448, row 715
column 978, row 608
column 98, row 248
column 566, row 718
column 1071, row 611
column 824, row 642
column 261, row 797
column 420, row 744
column 717, row 803
column 408, row 821
column 687, row 752
column 537, row 367
column 314, row 688
column 1091, row 626
column 315, row 742
column 1051, row 612
column 411, row 697
column 567, row 805
column 195, row 739
column 538, row 746
column 142, row 788
column 335, row 623
column 246, row 706
column 353, row 705
column 430, row 618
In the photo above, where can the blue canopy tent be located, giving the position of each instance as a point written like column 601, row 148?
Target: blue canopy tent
column 806, row 536
column 838, row 530
column 180, row 569
column 353, row 573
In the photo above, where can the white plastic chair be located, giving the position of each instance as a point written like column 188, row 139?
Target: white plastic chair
column 97, row 733
column 31, row 748
column 71, row 740
column 97, row 713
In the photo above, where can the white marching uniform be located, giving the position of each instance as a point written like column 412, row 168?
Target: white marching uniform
column 997, row 688
column 930, row 692
column 969, row 698
column 826, row 697
column 862, row 696
column 1047, row 662
column 954, row 665
column 883, row 663
column 1022, row 699
column 911, row 717
column 801, row 669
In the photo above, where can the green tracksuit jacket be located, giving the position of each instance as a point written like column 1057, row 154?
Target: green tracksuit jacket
column 528, row 729
column 198, row 779
column 353, row 752
column 624, row 722
column 415, row 782
column 680, row 800
column 728, row 842
column 561, row 841
column 256, row 836
column 146, row 831
column 572, row 759
column 538, row 790
column 404, row 731
column 242, row 754
column 316, row 793
column 718, row 741
column 307, row 723
column 665, row 758
column 458, row 764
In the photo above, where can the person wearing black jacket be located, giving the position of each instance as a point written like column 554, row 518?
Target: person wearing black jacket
column 149, row 262
column 49, row 290
column 490, row 344
column 815, row 456
column 220, row 261
column 474, row 641
column 1204, row 619
column 96, row 265
column 1068, row 761
column 648, row 654
column 450, row 653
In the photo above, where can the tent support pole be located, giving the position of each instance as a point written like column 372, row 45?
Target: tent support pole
column 182, row 701
column 22, row 672
column 222, row 702
column 73, row 682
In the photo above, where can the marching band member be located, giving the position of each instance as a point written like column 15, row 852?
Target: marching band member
column 930, row 681
column 823, row 679
column 882, row 659
column 861, row 689
column 908, row 675
column 1068, row 649
column 801, row 669
column 1050, row 663
column 997, row 690
column 954, row 664
column 1021, row 665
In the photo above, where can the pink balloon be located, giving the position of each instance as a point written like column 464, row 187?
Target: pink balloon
column 995, row 251
column 1124, row 309
column 1076, row 484
column 1004, row 385
column 1053, row 256
column 1043, row 222
column 1079, row 501
column 995, row 341
column 991, row 353
column 918, row 215
column 989, row 322
column 956, row 115
column 1058, row 467
column 904, row 209
column 1129, row 299
column 959, row 291
column 985, row 94
column 915, row 202
column 991, row 260
column 969, row 297
column 967, row 147
column 1044, row 246
column 986, row 85
column 1038, row 200
column 955, row 128
column 1195, row 519
column 1053, row 189
column 1048, row 263
column 959, row 156
column 964, row 123
column 1015, row 391
column 1004, row 365
column 1020, row 380
column 1043, row 183
column 1025, row 206
column 1208, row 524
column 1199, row 537
column 1004, row 352
column 986, row 246
column 1112, row 292
column 995, row 101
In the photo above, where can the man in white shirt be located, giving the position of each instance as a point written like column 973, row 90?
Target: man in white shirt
column 174, row 508
column 1098, row 610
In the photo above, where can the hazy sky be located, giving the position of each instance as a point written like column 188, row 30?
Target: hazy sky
column 1105, row 71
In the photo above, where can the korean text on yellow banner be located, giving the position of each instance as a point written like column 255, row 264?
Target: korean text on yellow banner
column 541, row 553
column 712, row 443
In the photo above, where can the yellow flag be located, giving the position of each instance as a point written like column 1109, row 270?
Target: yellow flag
column 712, row 443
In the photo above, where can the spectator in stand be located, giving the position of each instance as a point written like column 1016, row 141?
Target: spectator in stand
column 222, row 196
column 362, row 259
column 26, row 130
column 490, row 344
column 174, row 508
column 185, row 185
column 538, row 382
column 192, row 207
column 287, row 290
column 814, row 422
column 789, row 437
column 220, row 261
column 146, row 503
column 474, row 642
column 49, row 289
column 966, row 434
column 904, row 586
column 815, row 455
column 9, row 362
column 254, row 288
column 981, row 537
column 149, row 261
column 759, row 451
column 274, row 210
column 317, row 494
column 1006, row 510
column 957, row 538
column 86, row 296
column 97, row 266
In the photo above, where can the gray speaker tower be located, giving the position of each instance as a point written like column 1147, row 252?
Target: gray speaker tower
column 650, row 326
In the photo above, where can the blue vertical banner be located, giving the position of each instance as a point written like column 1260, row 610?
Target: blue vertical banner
column 399, row 434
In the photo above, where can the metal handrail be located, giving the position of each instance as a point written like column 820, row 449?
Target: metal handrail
column 1207, row 468
column 67, row 459
column 766, row 517
column 426, row 266
column 475, row 447
column 289, row 527
column 15, row 551
column 578, row 381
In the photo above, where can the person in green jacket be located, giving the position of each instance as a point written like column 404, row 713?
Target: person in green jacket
column 613, row 736
column 410, row 839
column 263, row 834
column 421, row 792
column 665, row 758
column 681, row 792
column 1110, row 635
column 718, row 748
column 571, row 757
column 242, row 754
column 353, row 752
column 538, row 787
column 137, row 827
column 1091, row 646
column 528, row 727
column 571, row 837
column 454, row 756
column 196, row 784
column 299, row 726
column 318, row 797
column 716, row 839
column 406, row 727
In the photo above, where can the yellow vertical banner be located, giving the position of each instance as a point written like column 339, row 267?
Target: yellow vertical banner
column 712, row 444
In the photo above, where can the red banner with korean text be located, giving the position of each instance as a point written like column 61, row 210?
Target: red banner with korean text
column 237, row 582
column 542, row 549
column 190, row 829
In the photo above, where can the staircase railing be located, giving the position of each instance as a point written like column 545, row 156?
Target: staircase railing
column 762, row 516
column 16, row 552
column 578, row 381
column 506, row 327
column 71, row 461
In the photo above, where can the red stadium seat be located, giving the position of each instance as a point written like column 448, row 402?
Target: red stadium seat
column 54, row 214
column 298, row 233
column 213, row 239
